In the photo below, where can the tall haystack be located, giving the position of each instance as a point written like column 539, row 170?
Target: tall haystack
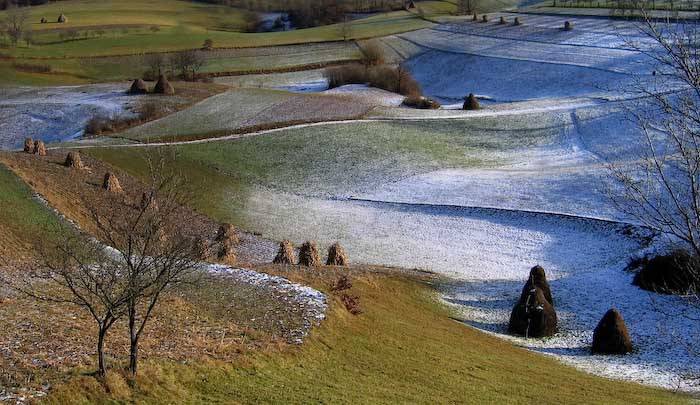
column 502, row 21
column 28, row 145
column 111, row 183
column 138, row 87
column 39, row 148
column 475, row 17
column 538, row 279
column 285, row 254
column 62, row 19
column 227, row 234
column 336, row 256
column 533, row 316
column 73, row 161
column 485, row 18
column 471, row 103
column 163, row 86
column 516, row 21
column 308, row 255
column 568, row 26
column 611, row 335
column 226, row 254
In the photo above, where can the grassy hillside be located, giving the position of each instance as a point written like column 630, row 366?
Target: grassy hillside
column 22, row 218
column 403, row 348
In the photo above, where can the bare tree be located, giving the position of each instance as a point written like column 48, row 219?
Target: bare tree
column 155, row 63
column 345, row 27
column 660, row 186
column 466, row 6
column 16, row 24
column 188, row 62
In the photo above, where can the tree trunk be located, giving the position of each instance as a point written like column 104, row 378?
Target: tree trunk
column 101, row 368
column 133, row 340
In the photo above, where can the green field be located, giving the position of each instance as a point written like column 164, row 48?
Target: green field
column 403, row 348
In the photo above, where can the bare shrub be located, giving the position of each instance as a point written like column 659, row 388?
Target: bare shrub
column 372, row 54
column 352, row 303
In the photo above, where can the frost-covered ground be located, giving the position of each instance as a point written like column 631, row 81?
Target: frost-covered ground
column 56, row 113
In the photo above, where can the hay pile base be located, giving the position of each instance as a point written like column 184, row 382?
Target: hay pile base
column 73, row 161
column 285, row 254
column 308, row 255
column 111, row 183
column 611, row 335
column 336, row 256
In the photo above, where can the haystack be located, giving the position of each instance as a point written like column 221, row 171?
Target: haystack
column 471, row 103
column 285, row 254
column 568, row 26
column 163, row 86
column 533, row 316
column 138, row 87
column 39, row 148
column 308, row 255
column 227, row 234
column 538, row 279
column 226, row 254
column 611, row 335
column 111, row 183
column 62, row 18
column 44, row 20
column 73, row 161
column 28, row 145
column 516, row 21
column 502, row 20
column 475, row 17
column 336, row 256
column 485, row 18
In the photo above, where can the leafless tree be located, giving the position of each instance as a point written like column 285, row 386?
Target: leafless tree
column 466, row 6
column 141, row 248
column 155, row 63
column 660, row 187
column 345, row 27
column 16, row 24
column 188, row 62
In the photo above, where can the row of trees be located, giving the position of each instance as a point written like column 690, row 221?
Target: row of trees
column 187, row 63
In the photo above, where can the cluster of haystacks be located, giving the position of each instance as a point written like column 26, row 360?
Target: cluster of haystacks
column 309, row 255
column 336, row 256
column 62, row 19
column 74, row 161
column 471, row 103
column 111, row 183
column 534, row 315
column 163, row 86
column 285, row 254
column 611, row 335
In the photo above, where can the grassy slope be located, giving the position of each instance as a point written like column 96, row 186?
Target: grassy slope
column 21, row 218
column 404, row 348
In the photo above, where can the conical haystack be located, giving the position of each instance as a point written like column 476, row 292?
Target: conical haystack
column 475, row 17
column 485, row 18
column 285, row 254
column 502, row 21
column 471, row 103
column 516, row 21
column 538, row 279
column 28, row 145
column 111, row 183
column 611, row 335
column 226, row 254
column 73, row 161
column 336, row 256
column 39, row 148
column 308, row 255
column 138, row 87
column 533, row 316
column 568, row 26
column 227, row 234
column 163, row 86
column 62, row 18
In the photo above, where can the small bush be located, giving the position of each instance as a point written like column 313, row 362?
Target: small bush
column 98, row 125
column 675, row 273
column 208, row 45
column 372, row 54
column 423, row 103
